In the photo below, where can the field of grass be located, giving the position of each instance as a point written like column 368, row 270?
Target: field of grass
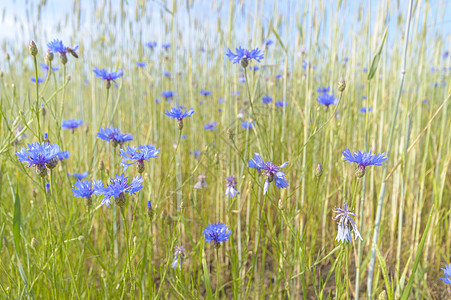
column 326, row 78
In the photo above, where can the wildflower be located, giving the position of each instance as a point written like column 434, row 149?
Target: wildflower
column 113, row 135
column 247, row 124
column 363, row 109
column 85, row 189
column 166, row 46
column 201, row 182
column 221, row 100
column 71, row 124
column 167, row 95
column 62, row 155
column 217, row 233
column 244, row 56
column 344, row 224
column 319, row 171
column 424, row 101
column 177, row 113
column 137, row 155
column 270, row 171
column 205, row 92
column 240, row 114
column 278, row 76
column 167, row 74
column 323, row 89
column 266, row 99
column 118, row 187
column 327, row 99
column 141, row 64
column 107, row 76
column 47, row 187
column 79, row 176
column 268, row 43
column 196, row 154
column 255, row 68
column 210, row 126
column 281, row 103
column 151, row 45
column 447, row 274
column 179, row 257
column 149, row 210
column 242, row 79
column 363, row 160
column 40, row 80
column 39, row 155
column 46, row 68
column 57, row 46
column 231, row 189
column 365, row 70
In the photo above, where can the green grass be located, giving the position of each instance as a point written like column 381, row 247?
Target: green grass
column 282, row 243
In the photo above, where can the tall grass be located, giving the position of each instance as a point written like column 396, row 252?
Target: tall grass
column 283, row 243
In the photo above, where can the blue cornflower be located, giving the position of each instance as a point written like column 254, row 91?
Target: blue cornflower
column 85, row 189
column 117, row 189
column 167, row 74
column 42, row 156
column 183, row 137
column 40, row 80
column 231, row 189
column 268, row 43
column 107, row 76
column 205, row 92
column 57, row 46
column 71, row 124
column 363, row 109
column 210, row 126
column 217, row 233
column 177, row 113
column 62, row 155
column 363, row 160
column 424, row 101
column 221, row 100
column 151, row 45
column 113, row 135
column 196, row 154
column 281, row 103
column 344, row 224
column 244, row 56
column 201, row 182
column 447, row 274
column 269, row 170
column 278, row 76
column 266, row 99
column 47, row 187
column 323, row 89
column 141, row 64
column 179, row 257
column 446, row 54
column 137, row 155
column 247, row 124
column 365, row 70
column 327, row 99
column 46, row 68
column 79, row 176
column 255, row 68
column 167, row 94
column 166, row 46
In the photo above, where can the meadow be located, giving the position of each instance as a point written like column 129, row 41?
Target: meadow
column 226, row 149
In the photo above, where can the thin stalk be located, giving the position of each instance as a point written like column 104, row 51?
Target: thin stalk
column 385, row 168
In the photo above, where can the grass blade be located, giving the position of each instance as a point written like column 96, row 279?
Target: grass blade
column 377, row 57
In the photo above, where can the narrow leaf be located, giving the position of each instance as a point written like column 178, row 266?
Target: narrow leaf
column 384, row 274
column 206, row 274
column 377, row 57
column 16, row 220
column 406, row 292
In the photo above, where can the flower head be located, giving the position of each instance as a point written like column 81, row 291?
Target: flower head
column 166, row 46
column 363, row 109
column 118, row 187
column 85, row 189
column 62, row 155
column 79, row 176
column 210, row 126
column 447, row 274
column 141, row 64
column 40, row 80
column 177, row 113
column 179, row 257
column 107, row 76
column 244, row 56
column 57, row 46
column 344, row 224
column 71, row 124
column 39, row 155
column 167, row 94
column 201, row 182
column 151, row 45
column 113, row 135
column 205, row 92
column 266, row 99
column 137, row 155
column 281, row 103
column 231, row 189
column 217, row 233
column 363, row 160
column 270, row 171
column 327, row 99
column 323, row 89
column 247, row 124
column 46, row 68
